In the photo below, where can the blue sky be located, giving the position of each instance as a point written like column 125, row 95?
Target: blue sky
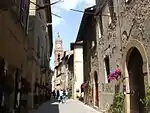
column 68, row 25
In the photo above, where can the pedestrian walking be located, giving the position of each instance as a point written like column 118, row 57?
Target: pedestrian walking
column 58, row 94
column 61, row 96
column 54, row 93
column 64, row 96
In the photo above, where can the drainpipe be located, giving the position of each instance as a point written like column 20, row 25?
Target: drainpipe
column 127, row 91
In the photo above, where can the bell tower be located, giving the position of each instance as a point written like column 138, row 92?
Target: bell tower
column 58, row 50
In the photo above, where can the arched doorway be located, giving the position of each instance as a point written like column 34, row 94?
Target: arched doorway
column 96, row 89
column 136, row 80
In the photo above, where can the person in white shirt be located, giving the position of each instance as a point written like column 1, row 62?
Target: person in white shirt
column 61, row 95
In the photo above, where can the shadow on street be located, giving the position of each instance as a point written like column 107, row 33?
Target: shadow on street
column 48, row 107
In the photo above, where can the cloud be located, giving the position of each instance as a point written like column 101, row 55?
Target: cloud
column 63, row 7
column 56, row 21
column 89, row 3
column 71, row 4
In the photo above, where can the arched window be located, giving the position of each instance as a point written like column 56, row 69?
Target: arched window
column 106, row 68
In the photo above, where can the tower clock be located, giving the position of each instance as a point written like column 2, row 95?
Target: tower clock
column 58, row 50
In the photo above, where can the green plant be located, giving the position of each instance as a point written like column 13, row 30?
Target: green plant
column 118, row 103
column 69, row 94
column 146, row 100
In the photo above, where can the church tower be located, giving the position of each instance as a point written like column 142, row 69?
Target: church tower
column 58, row 50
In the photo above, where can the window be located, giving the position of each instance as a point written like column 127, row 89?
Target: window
column 111, row 12
column 101, row 24
column 43, row 28
column 40, row 15
column 98, row 30
column 106, row 68
column 109, row 19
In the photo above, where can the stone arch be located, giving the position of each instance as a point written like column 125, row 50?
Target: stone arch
column 139, row 45
column 131, row 45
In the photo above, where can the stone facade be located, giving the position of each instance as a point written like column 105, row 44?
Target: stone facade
column 13, row 54
column 70, row 72
column 19, row 48
column 62, row 75
column 120, row 27
column 128, row 29
column 78, row 72
column 87, row 33
column 39, row 48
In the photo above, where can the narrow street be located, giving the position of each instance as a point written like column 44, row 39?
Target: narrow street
column 71, row 106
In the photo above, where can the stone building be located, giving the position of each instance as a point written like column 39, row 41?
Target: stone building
column 49, row 78
column 13, row 52
column 22, row 56
column 120, row 41
column 39, row 48
column 77, row 78
column 62, row 75
column 126, row 32
column 58, row 52
column 87, row 34
column 70, row 73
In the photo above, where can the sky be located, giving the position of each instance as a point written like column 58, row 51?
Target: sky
column 69, row 24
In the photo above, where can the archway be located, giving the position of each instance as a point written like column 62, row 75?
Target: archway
column 96, row 89
column 136, row 80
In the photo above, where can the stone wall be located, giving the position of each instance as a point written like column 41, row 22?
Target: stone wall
column 136, row 15
column 129, row 28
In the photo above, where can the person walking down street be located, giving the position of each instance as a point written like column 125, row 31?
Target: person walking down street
column 54, row 93
column 49, row 95
column 57, row 94
column 61, row 96
column 64, row 96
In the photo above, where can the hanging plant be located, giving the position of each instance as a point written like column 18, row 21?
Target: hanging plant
column 114, row 75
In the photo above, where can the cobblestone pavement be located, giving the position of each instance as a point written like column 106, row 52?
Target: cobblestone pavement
column 71, row 106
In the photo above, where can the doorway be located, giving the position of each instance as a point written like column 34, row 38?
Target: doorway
column 96, row 89
column 136, row 81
